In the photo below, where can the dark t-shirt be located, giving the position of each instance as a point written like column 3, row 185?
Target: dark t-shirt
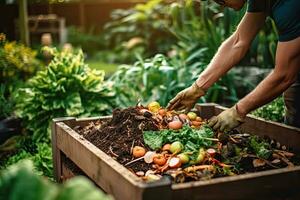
column 286, row 14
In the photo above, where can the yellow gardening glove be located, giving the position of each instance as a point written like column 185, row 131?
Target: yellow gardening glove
column 227, row 120
column 186, row 99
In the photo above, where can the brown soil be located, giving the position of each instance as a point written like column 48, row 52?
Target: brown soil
column 118, row 136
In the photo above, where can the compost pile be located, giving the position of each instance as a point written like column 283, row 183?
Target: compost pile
column 153, row 142
column 119, row 135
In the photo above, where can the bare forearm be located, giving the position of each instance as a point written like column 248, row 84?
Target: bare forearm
column 270, row 88
column 285, row 73
column 228, row 55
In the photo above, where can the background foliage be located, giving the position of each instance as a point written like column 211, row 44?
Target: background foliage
column 20, row 182
column 273, row 111
column 67, row 87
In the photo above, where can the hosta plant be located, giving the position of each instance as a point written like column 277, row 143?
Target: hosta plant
column 67, row 87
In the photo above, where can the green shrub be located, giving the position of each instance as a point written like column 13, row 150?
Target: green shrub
column 273, row 111
column 89, row 41
column 17, row 64
column 6, row 106
column 41, row 156
column 159, row 78
column 141, row 29
column 67, row 87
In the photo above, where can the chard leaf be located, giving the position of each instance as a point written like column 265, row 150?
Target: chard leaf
column 261, row 149
column 153, row 139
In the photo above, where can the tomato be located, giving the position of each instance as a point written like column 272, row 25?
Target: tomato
column 198, row 119
column 162, row 112
column 159, row 159
column 196, row 123
column 166, row 147
column 138, row 151
column 175, row 125
column 183, row 117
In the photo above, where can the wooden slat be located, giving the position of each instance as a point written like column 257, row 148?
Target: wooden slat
column 66, row 173
column 55, row 150
column 272, row 184
column 85, row 121
column 206, row 111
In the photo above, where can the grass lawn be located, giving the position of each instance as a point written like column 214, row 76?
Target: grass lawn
column 107, row 67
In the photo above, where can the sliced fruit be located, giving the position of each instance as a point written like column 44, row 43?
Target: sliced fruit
column 174, row 162
column 148, row 157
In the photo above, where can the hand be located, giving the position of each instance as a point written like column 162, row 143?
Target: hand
column 227, row 120
column 186, row 99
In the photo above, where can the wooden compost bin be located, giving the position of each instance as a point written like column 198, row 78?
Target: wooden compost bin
column 122, row 184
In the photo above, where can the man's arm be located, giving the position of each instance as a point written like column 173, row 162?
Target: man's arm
column 232, row 50
column 285, row 73
column 229, row 54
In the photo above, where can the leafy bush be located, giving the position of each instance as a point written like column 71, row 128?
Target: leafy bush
column 89, row 41
column 142, row 30
column 42, row 159
column 158, row 78
column 19, row 182
column 68, row 87
column 17, row 64
column 6, row 106
column 273, row 111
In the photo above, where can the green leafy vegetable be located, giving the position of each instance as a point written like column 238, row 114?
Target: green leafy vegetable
column 153, row 139
column 261, row 149
column 192, row 139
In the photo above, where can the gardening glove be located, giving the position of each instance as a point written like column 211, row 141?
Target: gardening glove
column 186, row 99
column 227, row 120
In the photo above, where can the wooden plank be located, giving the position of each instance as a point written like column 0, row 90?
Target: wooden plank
column 56, row 155
column 66, row 172
column 206, row 111
column 282, row 184
column 85, row 121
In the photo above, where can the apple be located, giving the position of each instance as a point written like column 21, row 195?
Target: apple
column 192, row 116
column 153, row 106
column 184, row 158
column 176, row 147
